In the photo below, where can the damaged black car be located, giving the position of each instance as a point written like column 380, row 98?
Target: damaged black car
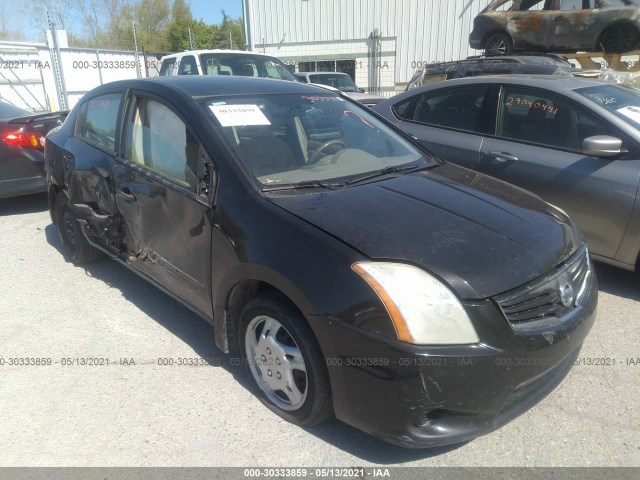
column 355, row 274
column 507, row 26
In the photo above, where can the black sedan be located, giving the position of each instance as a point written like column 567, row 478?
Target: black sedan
column 355, row 275
column 21, row 149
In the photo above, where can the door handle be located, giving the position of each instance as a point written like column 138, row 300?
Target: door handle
column 503, row 157
column 127, row 194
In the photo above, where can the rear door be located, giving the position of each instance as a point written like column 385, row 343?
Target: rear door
column 537, row 146
column 448, row 121
column 164, row 182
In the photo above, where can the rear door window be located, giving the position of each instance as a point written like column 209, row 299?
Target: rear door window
column 167, row 67
column 458, row 108
column 98, row 119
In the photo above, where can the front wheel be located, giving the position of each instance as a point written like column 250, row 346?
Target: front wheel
column 498, row 43
column 284, row 361
column 76, row 247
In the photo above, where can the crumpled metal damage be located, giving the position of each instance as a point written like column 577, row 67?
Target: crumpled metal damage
column 552, row 29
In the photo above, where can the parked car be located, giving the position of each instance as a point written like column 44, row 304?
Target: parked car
column 417, row 300
column 22, row 149
column 342, row 82
column 506, row 26
column 224, row 62
column 540, row 64
column 573, row 141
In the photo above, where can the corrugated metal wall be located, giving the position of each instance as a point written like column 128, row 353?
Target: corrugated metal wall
column 426, row 30
column 321, row 20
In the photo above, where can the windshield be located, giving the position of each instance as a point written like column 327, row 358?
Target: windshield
column 285, row 139
column 341, row 82
column 622, row 101
column 244, row 65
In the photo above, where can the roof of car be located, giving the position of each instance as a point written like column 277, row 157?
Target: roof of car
column 559, row 82
column 321, row 73
column 217, row 50
column 210, row 85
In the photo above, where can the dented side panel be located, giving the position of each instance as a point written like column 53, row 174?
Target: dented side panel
column 166, row 234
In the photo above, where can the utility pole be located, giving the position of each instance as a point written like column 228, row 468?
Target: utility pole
column 246, row 15
column 135, row 44
column 54, row 51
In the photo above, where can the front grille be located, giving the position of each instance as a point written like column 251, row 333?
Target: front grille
column 550, row 300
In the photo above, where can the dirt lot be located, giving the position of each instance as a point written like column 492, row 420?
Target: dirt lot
column 135, row 412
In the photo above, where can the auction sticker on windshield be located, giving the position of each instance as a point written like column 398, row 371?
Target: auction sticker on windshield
column 239, row 115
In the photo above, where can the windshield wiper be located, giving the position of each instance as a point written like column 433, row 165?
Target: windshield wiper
column 302, row 185
column 390, row 170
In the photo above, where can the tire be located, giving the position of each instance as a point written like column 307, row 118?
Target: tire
column 620, row 38
column 283, row 361
column 75, row 246
column 498, row 43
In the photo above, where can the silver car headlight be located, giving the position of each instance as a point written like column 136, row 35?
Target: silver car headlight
column 423, row 310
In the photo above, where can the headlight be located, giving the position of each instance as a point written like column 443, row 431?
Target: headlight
column 422, row 309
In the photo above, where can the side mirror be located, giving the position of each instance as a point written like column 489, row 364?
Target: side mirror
column 361, row 90
column 602, row 146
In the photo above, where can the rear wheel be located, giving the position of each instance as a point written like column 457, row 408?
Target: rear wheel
column 498, row 43
column 620, row 38
column 76, row 247
column 284, row 362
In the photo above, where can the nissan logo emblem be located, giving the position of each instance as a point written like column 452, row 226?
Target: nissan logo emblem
column 566, row 294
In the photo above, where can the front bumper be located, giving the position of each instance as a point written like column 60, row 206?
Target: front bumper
column 424, row 396
column 475, row 40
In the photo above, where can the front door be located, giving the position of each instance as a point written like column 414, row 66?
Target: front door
column 162, row 196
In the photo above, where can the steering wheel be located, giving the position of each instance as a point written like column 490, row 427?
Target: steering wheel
column 316, row 155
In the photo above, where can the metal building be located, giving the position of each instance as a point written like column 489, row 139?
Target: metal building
column 379, row 42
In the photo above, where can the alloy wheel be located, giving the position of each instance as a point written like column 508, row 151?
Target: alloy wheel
column 276, row 363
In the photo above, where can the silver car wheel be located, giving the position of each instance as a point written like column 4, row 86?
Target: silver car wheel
column 497, row 47
column 276, row 363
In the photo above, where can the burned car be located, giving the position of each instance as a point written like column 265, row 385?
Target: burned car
column 274, row 210
column 506, row 26
column 481, row 65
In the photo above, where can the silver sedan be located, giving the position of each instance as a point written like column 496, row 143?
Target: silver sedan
column 573, row 141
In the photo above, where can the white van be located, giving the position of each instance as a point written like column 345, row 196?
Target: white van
column 224, row 62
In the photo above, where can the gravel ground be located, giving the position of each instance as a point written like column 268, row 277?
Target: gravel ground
column 134, row 412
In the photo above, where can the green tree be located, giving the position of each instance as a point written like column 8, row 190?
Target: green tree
column 228, row 34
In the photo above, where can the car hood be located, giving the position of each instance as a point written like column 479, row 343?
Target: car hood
column 480, row 235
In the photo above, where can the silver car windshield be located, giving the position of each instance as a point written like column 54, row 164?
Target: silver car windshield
column 244, row 65
column 341, row 82
column 624, row 102
column 285, row 139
